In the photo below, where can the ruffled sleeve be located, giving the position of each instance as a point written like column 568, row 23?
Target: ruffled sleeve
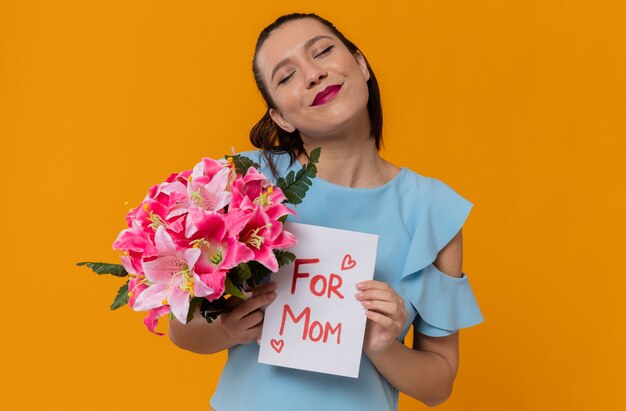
column 444, row 303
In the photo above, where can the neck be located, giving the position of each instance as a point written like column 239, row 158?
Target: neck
column 351, row 159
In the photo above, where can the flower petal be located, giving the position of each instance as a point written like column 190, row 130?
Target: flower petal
column 191, row 255
column 128, row 265
column 164, row 242
column 200, row 289
column 179, row 302
column 151, row 297
column 163, row 269
column 215, row 281
column 152, row 319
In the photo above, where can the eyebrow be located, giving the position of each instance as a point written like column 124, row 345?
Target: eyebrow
column 308, row 44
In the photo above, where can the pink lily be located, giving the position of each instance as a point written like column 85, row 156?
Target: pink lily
column 148, row 216
column 219, row 250
column 254, row 189
column 178, row 198
column 260, row 234
column 207, row 193
column 137, row 243
column 208, row 167
column 173, row 278
column 210, row 193
column 208, row 231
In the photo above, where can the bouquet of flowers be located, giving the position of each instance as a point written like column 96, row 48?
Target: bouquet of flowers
column 201, row 236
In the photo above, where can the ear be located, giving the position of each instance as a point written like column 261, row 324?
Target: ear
column 362, row 64
column 280, row 120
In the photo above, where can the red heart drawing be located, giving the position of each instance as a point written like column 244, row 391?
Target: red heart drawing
column 348, row 263
column 277, row 345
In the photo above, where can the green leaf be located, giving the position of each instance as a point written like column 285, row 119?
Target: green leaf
column 240, row 273
column 233, row 290
column 295, row 185
column 242, row 163
column 106, row 268
column 314, row 156
column 193, row 304
column 121, row 298
column 284, row 257
column 281, row 182
column 259, row 272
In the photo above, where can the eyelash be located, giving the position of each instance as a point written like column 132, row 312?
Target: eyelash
column 325, row 51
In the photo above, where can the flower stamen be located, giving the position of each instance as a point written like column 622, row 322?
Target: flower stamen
column 264, row 198
column 156, row 220
column 215, row 251
column 253, row 239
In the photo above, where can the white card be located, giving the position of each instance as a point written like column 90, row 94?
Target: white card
column 315, row 323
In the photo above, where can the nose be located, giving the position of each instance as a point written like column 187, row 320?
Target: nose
column 315, row 74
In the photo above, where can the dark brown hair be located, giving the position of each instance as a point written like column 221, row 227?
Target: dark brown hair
column 272, row 139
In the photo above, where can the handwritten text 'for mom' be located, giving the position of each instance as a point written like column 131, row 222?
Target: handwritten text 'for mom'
column 320, row 286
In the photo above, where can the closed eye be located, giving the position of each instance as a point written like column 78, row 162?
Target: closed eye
column 286, row 78
column 322, row 53
column 325, row 51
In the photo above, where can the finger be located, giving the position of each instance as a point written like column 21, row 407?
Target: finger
column 233, row 302
column 255, row 333
column 373, row 285
column 380, row 319
column 264, row 289
column 377, row 295
column 253, row 303
column 383, row 307
column 252, row 320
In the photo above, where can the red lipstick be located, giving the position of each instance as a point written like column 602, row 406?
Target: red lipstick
column 326, row 95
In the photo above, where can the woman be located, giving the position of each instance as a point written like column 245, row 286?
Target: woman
column 321, row 92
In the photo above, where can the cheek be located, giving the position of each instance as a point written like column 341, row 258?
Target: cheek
column 287, row 101
column 360, row 91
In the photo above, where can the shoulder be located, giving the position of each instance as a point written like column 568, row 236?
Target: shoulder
column 425, row 188
column 436, row 191
column 254, row 155
column 425, row 183
column 282, row 161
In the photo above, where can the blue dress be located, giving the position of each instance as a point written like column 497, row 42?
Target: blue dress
column 415, row 217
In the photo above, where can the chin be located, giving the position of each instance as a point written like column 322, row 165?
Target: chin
column 338, row 116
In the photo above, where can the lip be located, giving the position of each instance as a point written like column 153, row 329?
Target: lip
column 326, row 95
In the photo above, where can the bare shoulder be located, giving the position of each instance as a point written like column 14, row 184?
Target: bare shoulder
column 450, row 259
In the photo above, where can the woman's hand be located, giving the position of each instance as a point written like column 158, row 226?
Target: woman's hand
column 243, row 324
column 385, row 312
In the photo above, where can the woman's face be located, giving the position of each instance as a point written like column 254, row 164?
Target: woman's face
column 317, row 85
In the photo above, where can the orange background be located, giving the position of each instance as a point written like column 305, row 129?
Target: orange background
column 517, row 105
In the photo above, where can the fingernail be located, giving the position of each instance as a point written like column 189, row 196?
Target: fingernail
column 359, row 286
column 358, row 295
column 366, row 303
column 258, row 341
